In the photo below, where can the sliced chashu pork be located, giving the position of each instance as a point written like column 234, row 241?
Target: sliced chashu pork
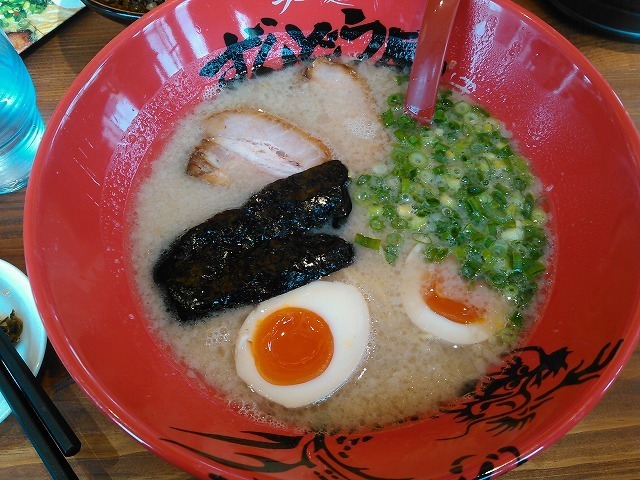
column 269, row 143
column 345, row 97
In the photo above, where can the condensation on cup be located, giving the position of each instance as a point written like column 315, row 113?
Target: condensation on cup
column 21, row 125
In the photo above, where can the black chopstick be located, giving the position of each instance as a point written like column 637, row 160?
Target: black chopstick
column 60, row 431
column 47, row 449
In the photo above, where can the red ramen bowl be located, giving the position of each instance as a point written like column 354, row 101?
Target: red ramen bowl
column 111, row 124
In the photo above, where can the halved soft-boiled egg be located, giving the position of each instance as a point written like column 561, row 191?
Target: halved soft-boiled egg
column 300, row 347
column 439, row 301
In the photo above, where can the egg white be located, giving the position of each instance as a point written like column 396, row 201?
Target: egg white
column 416, row 272
column 345, row 311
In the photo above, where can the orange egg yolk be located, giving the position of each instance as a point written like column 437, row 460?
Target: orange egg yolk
column 291, row 346
column 451, row 309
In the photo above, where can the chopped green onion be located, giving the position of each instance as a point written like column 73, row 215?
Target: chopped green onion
column 512, row 234
column 390, row 253
column 376, row 224
column 538, row 215
column 535, row 269
column 362, row 195
column 388, row 118
column 368, row 242
column 395, row 100
column 516, row 260
column 399, row 223
column 461, row 108
column 405, row 186
column 417, row 159
column 394, row 239
column 460, row 188
column 435, row 254
column 375, row 211
column 517, row 319
column 404, row 210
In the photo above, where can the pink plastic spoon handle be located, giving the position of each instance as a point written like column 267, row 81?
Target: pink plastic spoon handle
column 425, row 73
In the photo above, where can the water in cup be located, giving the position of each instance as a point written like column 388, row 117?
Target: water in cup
column 21, row 125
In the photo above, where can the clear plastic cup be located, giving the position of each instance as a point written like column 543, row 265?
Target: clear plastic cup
column 21, row 125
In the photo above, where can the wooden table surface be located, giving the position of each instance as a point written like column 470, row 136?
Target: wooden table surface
column 604, row 445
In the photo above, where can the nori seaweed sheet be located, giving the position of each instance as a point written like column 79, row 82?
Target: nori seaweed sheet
column 260, row 250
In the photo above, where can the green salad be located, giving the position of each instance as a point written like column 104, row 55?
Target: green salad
column 13, row 13
column 459, row 187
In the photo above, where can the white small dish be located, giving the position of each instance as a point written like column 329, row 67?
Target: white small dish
column 15, row 294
